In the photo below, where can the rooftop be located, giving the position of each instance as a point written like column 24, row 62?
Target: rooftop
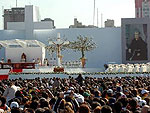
column 21, row 43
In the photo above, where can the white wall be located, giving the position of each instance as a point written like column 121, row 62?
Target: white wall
column 29, row 26
column 36, row 14
column 43, row 25
column 108, row 42
column 12, row 34
column 15, row 26
column 15, row 53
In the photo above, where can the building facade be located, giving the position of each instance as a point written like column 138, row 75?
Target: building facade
column 13, row 15
column 50, row 20
column 78, row 24
column 31, row 22
column 19, row 18
column 142, row 8
column 109, row 23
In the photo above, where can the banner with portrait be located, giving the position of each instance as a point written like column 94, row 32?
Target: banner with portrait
column 135, row 40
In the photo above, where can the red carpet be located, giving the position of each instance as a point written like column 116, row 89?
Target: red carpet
column 16, row 70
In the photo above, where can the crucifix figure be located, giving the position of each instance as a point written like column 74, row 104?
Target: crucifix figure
column 58, row 43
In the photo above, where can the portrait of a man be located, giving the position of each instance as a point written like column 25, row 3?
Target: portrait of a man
column 137, row 49
column 136, row 43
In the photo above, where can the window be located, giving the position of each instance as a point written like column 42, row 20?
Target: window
column 15, row 46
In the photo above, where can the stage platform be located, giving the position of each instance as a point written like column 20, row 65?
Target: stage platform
column 46, row 69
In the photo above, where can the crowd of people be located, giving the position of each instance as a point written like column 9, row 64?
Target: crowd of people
column 75, row 95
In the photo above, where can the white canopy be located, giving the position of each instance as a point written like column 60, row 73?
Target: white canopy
column 21, row 43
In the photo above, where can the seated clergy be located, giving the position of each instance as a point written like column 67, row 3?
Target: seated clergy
column 9, row 61
column 2, row 60
column 23, row 57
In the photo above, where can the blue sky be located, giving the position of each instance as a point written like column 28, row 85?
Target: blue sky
column 63, row 12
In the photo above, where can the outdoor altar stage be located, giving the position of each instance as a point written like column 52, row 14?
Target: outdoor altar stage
column 48, row 72
column 7, row 68
column 18, row 65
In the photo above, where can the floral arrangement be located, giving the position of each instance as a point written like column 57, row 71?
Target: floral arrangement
column 61, row 71
column 58, row 69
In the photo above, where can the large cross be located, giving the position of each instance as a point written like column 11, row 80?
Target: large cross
column 58, row 43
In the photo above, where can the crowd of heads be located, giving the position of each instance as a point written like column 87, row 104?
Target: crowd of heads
column 76, row 95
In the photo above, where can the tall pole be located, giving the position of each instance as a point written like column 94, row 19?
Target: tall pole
column 97, row 17
column 16, row 3
column 101, row 20
column 94, row 13
column 3, row 16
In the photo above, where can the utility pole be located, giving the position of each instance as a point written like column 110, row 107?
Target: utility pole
column 97, row 18
column 16, row 3
column 3, row 16
column 94, row 13
column 101, row 20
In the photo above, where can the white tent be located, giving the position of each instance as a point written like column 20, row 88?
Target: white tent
column 33, row 49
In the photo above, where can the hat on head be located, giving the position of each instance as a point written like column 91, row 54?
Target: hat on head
column 79, row 98
column 136, row 99
column 14, row 105
column 144, row 91
column 109, row 91
column 86, row 94
column 71, row 88
column 142, row 103
column 139, row 98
